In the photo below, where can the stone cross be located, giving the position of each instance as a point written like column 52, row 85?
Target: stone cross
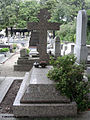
column 42, row 26
column 57, row 47
column 80, row 49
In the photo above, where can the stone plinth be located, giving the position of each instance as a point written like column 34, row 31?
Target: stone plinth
column 40, row 98
column 25, row 64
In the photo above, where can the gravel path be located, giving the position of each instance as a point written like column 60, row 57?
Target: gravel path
column 7, row 68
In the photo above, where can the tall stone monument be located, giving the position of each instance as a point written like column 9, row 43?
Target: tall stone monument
column 80, row 49
column 42, row 26
column 57, row 47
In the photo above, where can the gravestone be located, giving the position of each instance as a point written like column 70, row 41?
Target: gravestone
column 80, row 49
column 42, row 26
column 23, row 53
column 34, row 39
column 57, row 47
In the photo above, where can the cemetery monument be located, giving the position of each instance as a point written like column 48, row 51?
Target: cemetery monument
column 37, row 96
column 80, row 49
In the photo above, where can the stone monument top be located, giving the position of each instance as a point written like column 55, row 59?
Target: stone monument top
column 42, row 26
column 81, row 27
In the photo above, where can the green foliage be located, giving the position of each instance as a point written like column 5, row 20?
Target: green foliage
column 67, row 32
column 14, row 13
column 4, row 50
column 28, row 51
column 69, row 79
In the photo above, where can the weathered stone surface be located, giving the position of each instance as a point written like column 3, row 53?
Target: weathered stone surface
column 42, row 26
column 57, row 47
column 20, row 67
column 80, row 50
column 34, row 40
column 45, row 110
column 40, row 98
column 25, row 64
column 23, row 53
column 43, row 93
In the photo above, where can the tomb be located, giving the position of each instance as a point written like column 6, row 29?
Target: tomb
column 38, row 97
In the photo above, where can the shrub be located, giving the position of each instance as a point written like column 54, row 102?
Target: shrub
column 4, row 50
column 69, row 79
column 28, row 51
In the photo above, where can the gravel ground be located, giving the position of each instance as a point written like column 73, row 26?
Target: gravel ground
column 6, row 105
column 7, row 68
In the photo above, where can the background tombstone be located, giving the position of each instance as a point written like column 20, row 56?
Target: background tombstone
column 23, row 53
column 80, row 49
column 34, row 39
column 57, row 47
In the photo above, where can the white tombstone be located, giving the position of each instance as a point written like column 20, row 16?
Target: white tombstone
column 80, row 49
column 57, row 47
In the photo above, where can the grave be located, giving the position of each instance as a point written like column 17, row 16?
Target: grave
column 25, row 62
column 80, row 49
column 37, row 97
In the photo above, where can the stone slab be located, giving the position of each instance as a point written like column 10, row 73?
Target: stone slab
column 29, row 61
column 43, row 93
column 23, row 67
column 39, row 76
column 45, row 110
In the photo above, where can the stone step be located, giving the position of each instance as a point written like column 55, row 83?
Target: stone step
column 23, row 61
column 45, row 110
column 23, row 67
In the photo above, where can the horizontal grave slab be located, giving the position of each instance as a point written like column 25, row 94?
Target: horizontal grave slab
column 41, row 89
column 43, row 93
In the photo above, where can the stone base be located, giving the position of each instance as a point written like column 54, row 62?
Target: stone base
column 25, row 64
column 81, row 52
column 45, row 110
column 23, row 67
column 37, row 97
